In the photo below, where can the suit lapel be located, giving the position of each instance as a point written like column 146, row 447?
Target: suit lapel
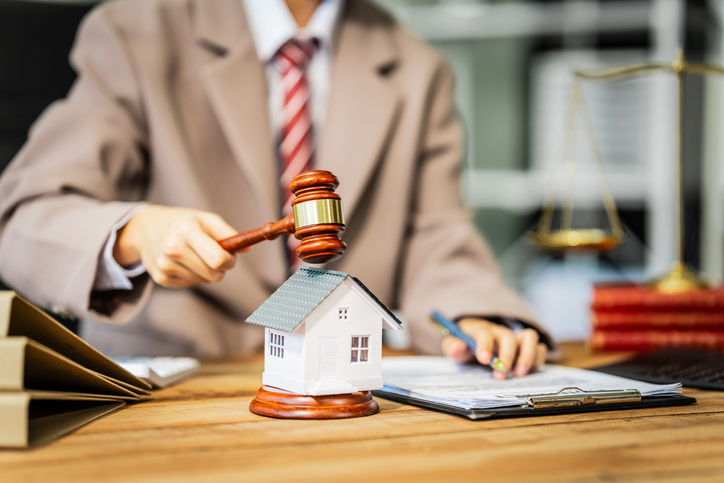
column 237, row 89
column 363, row 103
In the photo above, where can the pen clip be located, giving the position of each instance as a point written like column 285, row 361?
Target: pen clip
column 438, row 325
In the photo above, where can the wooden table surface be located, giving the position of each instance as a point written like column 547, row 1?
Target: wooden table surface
column 202, row 430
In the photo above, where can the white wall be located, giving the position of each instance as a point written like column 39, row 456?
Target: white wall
column 363, row 321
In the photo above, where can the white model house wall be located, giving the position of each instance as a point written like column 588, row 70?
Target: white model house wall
column 284, row 358
column 328, row 343
column 317, row 356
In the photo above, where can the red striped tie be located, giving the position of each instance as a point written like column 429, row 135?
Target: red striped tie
column 296, row 140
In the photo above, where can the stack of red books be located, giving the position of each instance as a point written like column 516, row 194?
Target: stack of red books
column 635, row 317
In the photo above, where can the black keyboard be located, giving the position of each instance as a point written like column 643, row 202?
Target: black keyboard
column 699, row 368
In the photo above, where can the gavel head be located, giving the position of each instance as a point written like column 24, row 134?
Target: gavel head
column 318, row 216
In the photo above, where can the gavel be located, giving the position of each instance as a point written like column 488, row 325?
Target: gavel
column 317, row 220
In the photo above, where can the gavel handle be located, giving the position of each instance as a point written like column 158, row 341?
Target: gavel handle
column 270, row 231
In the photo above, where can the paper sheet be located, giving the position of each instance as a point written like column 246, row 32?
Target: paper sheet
column 442, row 380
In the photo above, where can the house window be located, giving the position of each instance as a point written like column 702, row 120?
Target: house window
column 343, row 313
column 360, row 348
column 276, row 345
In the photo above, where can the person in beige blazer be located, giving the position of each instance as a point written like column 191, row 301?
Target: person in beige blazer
column 170, row 110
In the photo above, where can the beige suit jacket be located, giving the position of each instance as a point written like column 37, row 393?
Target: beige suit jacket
column 170, row 107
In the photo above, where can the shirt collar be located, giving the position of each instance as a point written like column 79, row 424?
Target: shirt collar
column 271, row 25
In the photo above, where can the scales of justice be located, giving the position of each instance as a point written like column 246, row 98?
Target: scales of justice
column 566, row 238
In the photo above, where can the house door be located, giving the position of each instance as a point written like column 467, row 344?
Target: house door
column 328, row 357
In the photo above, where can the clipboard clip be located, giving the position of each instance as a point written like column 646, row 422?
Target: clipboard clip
column 573, row 396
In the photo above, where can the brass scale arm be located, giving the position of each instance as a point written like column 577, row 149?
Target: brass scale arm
column 679, row 278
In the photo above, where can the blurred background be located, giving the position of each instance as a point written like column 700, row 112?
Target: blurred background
column 513, row 62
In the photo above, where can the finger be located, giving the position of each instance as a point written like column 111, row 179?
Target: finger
column 540, row 358
column 173, row 275
column 457, row 349
column 507, row 347
column 215, row 226
column 209, row 251
column 482, row 334
column 175, row 282
column 527, row 351
column 183, row 255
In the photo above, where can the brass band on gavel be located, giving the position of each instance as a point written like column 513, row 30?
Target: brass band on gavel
column 318, row 212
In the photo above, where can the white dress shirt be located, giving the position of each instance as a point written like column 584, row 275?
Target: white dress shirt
column 271, row 25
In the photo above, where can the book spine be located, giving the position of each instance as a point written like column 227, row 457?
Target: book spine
column 637, row 297
column 639, row 340
column 14, row 415
column 12, row 363
column 630, row 319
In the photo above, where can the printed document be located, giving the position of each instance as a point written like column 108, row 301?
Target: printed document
column 472, row 386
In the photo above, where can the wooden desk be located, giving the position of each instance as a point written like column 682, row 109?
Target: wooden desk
column 202, row 430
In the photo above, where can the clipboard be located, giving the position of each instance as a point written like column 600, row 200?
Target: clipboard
column 569, row 400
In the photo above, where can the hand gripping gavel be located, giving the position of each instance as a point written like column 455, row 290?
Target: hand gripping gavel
column 318, row 220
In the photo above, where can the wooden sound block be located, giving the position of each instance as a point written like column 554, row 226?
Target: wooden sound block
column 277, row 403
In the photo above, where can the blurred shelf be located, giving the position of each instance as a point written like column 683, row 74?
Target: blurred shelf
column 523, row 191
column 480, row 20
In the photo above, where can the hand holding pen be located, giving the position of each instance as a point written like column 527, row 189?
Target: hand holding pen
column 517, row 353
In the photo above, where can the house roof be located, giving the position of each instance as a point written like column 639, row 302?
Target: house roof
column 290, row 305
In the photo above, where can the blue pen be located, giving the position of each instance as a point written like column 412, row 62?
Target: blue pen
column 448, row 327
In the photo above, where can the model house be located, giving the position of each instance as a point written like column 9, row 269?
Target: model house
column 323, row 334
